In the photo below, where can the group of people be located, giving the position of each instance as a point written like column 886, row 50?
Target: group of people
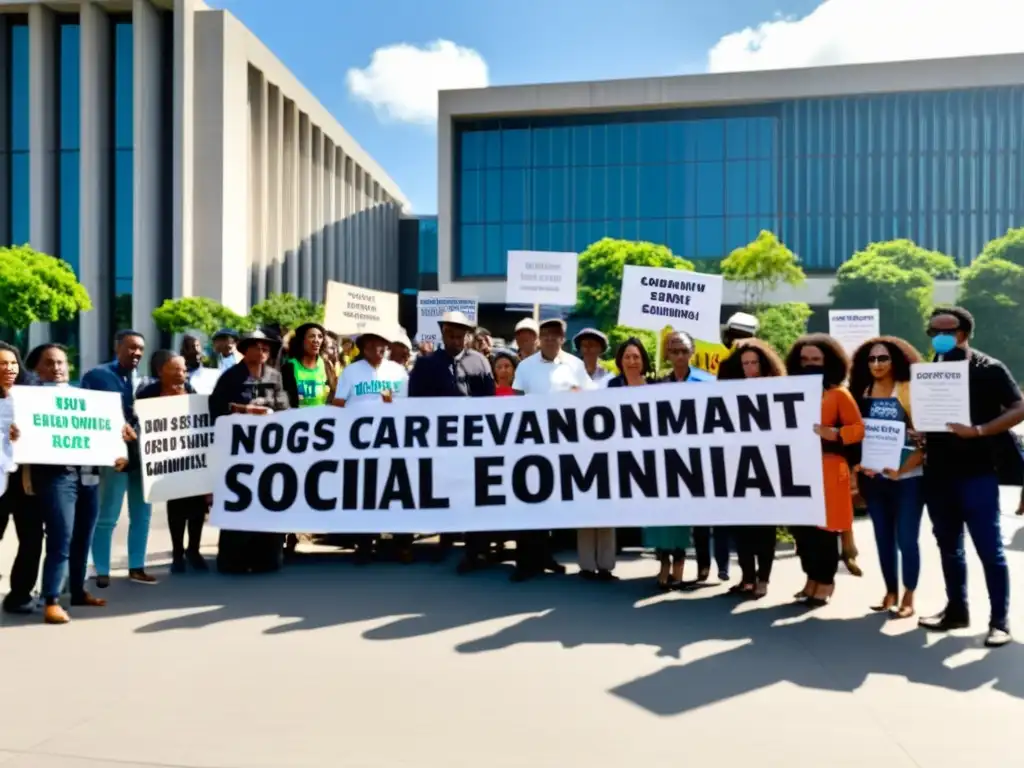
column 954, row 473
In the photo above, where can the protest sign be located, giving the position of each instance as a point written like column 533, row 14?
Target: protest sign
column 882, row 447
column 7, row 463
column 654, row 296
column 939, row 395
column 175, row 441
column 852, row 327
column 541, row 277
column 723, row 453
column 66, row 426
column 349, row 310
column 431, row 306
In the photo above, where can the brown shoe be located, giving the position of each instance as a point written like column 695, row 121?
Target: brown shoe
column 139, row 576
column 88, row 601
column 55, row 614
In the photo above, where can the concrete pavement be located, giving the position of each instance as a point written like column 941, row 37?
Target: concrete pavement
column 326, row 664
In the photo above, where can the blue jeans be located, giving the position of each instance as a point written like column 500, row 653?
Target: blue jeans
column 69, row 511
column 707, row 539
column 113, row 487
column 896, row 507
column 956, row 502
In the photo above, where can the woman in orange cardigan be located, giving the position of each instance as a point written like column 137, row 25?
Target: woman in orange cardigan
column 841, row 426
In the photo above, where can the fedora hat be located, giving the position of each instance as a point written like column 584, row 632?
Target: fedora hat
column 456, row 318
column 257, row 336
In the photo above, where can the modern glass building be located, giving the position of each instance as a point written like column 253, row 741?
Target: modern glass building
column 830, row 159
column 162, row 150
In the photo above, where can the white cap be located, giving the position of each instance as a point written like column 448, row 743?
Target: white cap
column 741, row 321
column 527, row 324
column 401, row 338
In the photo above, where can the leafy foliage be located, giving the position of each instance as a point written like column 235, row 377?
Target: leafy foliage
column 619, row 333
column 762, row 266
column 783, row 324
column 906, row 254
column 35, row 287
column 198, row 313
column 599, row 278
column 287, row 310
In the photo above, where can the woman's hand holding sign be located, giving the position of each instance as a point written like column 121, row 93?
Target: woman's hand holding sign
column 14, row 433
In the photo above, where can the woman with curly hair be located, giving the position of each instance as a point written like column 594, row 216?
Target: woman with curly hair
column 880, row 382
column 841, row 426
column 755, row 544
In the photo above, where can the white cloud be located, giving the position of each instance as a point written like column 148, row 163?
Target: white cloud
column 860, row 31
column 402, row 80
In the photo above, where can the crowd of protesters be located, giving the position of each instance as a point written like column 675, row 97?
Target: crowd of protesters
column 65, row 515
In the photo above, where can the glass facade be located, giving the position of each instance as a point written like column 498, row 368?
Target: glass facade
column 828, row 175
column 19, row 133
column 124, row 174
column 427, row 245
column 69, row 120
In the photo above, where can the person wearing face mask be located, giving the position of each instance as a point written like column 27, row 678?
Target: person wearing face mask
column 840, row 428
column 961, row 484
column 68, row 500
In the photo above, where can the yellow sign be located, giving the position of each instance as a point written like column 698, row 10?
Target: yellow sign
column 706, row 354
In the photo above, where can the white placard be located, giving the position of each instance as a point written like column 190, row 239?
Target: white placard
column 7, row 463
column 175, row 443
column 940, row 395
column 655, row 297
column 730, row 453
column 67, row 426
column 542, row 277
column 431, row 306
column 350, row 310
column 852, row 327
column 882, row 447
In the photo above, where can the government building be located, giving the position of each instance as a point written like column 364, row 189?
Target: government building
column 830, row 159
column 162, row 150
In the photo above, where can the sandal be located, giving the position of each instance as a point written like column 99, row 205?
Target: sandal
column 741, row 589
column 760, row 590
column 887, row 604
column 906, row 609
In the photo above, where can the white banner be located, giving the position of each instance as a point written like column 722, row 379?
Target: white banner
column 654, row 297
column 725, row 453
column 542, row 277
column 431, row 306
column 350, row 310
column 67, row 426
column 175, row 441
column 852, row 327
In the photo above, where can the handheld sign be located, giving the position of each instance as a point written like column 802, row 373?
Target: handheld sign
column 542, row 277
column 431, row 307
column 653, row 297
column 175, row 442
column 65, row 426
column 852, row 327
column 940, row 395
column 349, row 309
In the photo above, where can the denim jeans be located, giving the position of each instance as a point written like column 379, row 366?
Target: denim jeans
column 28, row 524
column 113, row 488
column 69, row 513
column 704, row 539
column 972, row 502
column 895, row 508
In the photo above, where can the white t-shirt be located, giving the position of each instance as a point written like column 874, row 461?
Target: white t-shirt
column 362, row 383
column 537, row 376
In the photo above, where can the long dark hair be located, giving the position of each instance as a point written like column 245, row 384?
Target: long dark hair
column 633, row 341
column 768, row 360
column 837, row 364
column 32, row 361
column 23, row 377
column 903, row 356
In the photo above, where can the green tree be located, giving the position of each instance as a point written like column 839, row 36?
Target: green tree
column 35, row 287
column 196, row 313
column 286, row 310
column 599, row 278
column 762, row 266
column 906, row 254
column 872, row 278
column 993, row 291
column 783, row 324
column 619, row 333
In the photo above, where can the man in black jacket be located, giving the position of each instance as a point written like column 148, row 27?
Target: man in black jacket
column 456, row 371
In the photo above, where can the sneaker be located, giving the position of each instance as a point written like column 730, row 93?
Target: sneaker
column 944, row 622
column 997, row 637
column 139, row 576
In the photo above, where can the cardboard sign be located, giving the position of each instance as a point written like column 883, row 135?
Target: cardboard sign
column 653, row 297
column 431, row 307
column 175, row 442
column 852, row 327
column 351, row 310
column 542, row 277
column 67, row 426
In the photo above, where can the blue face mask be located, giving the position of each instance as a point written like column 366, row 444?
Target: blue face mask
column 944, row 343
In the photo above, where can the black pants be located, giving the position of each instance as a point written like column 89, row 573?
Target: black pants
column 28, row 524
column 755, row 546
column 702, row 545
column 533, row 551
column 185, row 514
column 819, row 553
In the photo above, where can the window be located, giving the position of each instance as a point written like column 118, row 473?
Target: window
column 19, row 133
column 124, row 174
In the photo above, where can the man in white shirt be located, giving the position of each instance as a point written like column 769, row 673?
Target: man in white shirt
column 552, row 369
column 526, row 334
column 225, row 355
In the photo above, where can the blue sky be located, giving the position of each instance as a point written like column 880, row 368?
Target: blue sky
column 385, row 104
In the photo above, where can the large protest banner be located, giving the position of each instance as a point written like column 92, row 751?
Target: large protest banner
column 66, row 426
column 431, row 307
column 175, row 442
column 653, row 297
column 349, row 309
column 736, row 452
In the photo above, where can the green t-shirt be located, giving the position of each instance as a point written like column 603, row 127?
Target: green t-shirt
column 311, row 383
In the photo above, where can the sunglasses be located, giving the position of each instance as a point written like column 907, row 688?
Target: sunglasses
column 879, row 359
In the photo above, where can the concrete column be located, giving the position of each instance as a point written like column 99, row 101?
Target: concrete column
column 148, row 123
column 330, row 243
column 348, row 224
column 317, row 214
column 43, row 139
column 339, row 214
column 5, row 133
column 305, row 207
column 95, row 189
column 445, row 137
column 377, row 219
column 183, row 161
column 357, row 225
column 275, row 160
column 258, row 182
column 292, row 161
